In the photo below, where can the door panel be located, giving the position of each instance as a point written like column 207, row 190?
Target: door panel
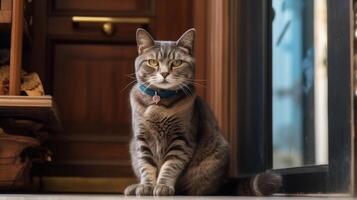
column 92, row 78
column 89, row 83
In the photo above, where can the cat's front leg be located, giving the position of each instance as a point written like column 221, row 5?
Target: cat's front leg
column 148, row 173
column 146, row 185
column 174, row 164
column 146, row 168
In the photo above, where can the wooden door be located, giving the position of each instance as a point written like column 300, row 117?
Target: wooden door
column 87, row 71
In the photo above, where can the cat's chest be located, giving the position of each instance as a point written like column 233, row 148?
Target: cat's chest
column 162, row 133
column 165, row 126
column 156, row 113
column 161, row 123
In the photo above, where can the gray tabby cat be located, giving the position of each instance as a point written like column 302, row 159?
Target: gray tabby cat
column 177, row 146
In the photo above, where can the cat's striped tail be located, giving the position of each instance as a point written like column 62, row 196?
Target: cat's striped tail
column 262, row 184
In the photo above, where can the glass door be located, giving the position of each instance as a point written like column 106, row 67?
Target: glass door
column 311, row 90
column 294, row 88
column 299, row 83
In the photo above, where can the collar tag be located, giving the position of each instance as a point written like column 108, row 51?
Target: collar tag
column 156, row 98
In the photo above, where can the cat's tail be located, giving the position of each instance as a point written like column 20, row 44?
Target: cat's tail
column 262, row 184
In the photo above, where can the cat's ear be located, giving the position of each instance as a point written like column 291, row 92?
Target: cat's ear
column 143, row 40
column 187, row 40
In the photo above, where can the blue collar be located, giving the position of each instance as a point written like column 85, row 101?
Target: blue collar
column 163, row 94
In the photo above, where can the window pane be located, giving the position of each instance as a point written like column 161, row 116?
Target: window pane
column 299, row 83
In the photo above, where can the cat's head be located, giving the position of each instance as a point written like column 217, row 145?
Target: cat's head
column 167, row 65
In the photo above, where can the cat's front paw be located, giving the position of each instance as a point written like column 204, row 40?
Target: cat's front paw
column 144, row 190
column 130, row 190
column 163, row 190
column 139, row 190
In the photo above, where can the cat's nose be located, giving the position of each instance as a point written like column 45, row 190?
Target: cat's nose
column 164, row 74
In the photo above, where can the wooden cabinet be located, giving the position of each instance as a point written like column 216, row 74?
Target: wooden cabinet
column 15, row 24
column 87, row 71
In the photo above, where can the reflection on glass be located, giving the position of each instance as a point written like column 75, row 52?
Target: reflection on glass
column 299, row 83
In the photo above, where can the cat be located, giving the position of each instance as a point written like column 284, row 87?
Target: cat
column 177, row 147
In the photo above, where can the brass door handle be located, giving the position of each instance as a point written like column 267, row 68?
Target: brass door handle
column 108, row 28
column 121, row 20
column 108, row 22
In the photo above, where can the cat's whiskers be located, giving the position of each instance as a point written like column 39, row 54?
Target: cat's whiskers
column 201, row 80
column 147, row 86
column 196, row 84
column 183, row 89
column 131, row 75
column 188, row 89
column 132, row 82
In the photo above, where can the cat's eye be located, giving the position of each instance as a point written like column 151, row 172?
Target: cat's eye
column 177, row 63
column 153, row 63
